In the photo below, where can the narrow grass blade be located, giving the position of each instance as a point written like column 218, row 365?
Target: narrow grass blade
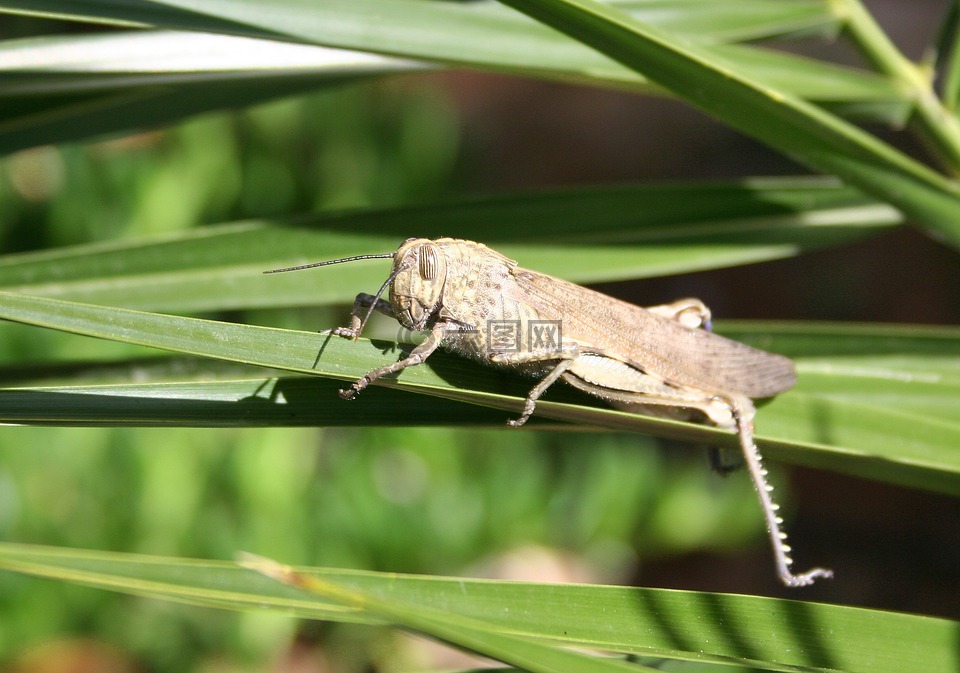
column 582, row 235
column 254, row 401
column 776, row 117
column 447, row 626
column 479, row 35
column 948, row 57
column 772, row 634
column 743, row 20
column 913, row 444
column 67, row 88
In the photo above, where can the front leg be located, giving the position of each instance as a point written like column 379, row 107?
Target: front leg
column 416, row 357
column 363, row 305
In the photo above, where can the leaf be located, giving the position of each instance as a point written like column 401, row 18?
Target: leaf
column 773, row 634
column 76, row 98
column 251, row 401
column 444, row 625
column 774, row 116
column 743, row 20
column 59, row 89
column 582, row 235
column 819, row 423
column 947, row 57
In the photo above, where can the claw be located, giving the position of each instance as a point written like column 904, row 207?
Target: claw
column 349, row 393
column 805, row 579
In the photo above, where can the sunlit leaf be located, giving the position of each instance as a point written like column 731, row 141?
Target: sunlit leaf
column 820, row 422
column 86, row 85
column 773, row 634
column 582, row 235
column 774, row 116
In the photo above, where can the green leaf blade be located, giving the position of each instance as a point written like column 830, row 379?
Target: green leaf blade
column 927, row 458
column 775, row 634
column 582, row 235
column 779, row 119
column 121, row 94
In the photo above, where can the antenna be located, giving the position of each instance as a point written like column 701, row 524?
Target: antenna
column 332, row 261
column 403, row 265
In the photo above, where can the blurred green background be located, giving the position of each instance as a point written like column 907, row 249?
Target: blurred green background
column 566, row 506
column 533, row 505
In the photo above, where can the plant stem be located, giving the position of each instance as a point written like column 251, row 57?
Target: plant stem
column 938, row 127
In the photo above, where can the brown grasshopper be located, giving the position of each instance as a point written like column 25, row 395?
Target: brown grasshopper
column 478, row 303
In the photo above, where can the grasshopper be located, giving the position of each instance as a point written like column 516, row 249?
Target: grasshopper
column 662, row 360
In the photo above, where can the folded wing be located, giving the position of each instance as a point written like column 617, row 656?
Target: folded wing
column 657, row 345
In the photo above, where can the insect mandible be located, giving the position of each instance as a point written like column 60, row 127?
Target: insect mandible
column 478, row 303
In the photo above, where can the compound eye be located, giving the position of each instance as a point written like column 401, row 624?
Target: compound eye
column 429, row 263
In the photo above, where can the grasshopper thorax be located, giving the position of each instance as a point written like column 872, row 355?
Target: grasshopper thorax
column 419, row 274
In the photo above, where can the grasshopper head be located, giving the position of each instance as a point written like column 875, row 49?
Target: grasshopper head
column 419, row 274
